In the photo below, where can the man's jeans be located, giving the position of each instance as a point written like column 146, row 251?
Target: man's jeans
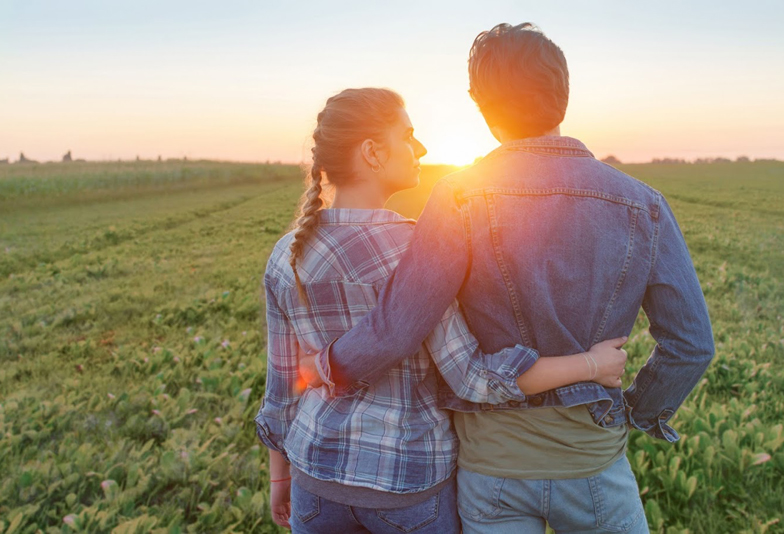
column 607, row 502
column 311, row 514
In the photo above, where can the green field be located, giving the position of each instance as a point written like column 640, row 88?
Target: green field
column 132, row 359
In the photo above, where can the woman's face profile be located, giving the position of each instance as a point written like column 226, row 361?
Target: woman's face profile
column 400, row 169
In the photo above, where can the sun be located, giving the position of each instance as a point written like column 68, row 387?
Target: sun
column 457, row 148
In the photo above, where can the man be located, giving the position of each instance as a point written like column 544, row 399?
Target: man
column 546, row 247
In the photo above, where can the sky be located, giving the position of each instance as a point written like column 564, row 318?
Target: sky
column 244, row 80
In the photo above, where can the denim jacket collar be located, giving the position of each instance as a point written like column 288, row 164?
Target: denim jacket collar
column 360, row 216
column 548, row 145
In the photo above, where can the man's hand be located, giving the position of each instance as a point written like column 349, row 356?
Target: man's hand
column 280, row 502
column 309, row 375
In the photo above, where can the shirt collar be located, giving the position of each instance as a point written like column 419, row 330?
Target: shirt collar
column 360, row 216
column 557, row 145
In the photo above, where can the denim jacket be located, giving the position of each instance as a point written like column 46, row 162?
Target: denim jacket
column 546, row 247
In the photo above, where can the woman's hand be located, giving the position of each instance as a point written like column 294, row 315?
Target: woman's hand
column 309, row 375
column 280, row 502
column 607, row 362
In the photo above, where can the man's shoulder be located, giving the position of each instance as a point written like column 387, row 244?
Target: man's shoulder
column 580, row 176
column 615, row 181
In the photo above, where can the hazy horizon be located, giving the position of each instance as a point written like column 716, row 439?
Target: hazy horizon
column 242, row 81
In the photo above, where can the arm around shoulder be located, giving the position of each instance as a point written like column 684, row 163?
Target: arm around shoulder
column 425, row 283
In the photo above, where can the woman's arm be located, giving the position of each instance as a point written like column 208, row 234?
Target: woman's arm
column 279, row 406
column 281, row 398
column 280, row 489
column 604, row 363
column 513, row 373
column 507, row 375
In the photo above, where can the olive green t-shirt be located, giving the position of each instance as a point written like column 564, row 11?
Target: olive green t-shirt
column 539, row 443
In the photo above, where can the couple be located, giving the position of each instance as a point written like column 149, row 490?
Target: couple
column 548, row 251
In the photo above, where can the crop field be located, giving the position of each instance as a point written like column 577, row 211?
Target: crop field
column 132, row 356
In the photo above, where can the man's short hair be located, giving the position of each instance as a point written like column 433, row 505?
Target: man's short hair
column 519, row 79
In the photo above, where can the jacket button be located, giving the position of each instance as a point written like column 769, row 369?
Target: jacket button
column 537, row 401
column 609, row 419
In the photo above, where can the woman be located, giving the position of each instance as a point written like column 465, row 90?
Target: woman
column 382, row 459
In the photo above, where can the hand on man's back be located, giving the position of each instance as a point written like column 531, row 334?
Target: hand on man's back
column 308, row 372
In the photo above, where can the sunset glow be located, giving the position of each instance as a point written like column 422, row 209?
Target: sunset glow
column 244, row 80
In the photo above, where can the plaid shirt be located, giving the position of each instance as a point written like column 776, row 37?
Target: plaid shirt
column 387, row 436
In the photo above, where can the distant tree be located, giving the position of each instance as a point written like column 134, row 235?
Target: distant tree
column 722, row 160
column 4, row 161
column 67, row 156
column 611, row 160
column 159, row 157
column 23, row 159
column 743, row 159
column 669, row 161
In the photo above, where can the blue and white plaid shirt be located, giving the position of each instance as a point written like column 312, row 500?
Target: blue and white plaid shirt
column 387, row 436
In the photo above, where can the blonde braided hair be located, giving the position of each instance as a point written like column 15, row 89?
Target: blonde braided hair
column 306, row 224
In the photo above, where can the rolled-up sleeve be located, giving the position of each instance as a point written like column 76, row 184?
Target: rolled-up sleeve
column 279, row 406
column 473, row 375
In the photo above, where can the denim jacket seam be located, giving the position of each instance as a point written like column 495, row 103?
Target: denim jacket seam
column 505, row 272
column 654, row 253
column 466, row 217
column 555, row 153
column 585, row 193
column 621, row 278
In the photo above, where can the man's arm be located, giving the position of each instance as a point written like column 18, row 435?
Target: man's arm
column 425, row 283
column 679, row 320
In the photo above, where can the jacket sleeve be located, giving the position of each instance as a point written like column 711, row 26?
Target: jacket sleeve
column 679, row 321
column 279, row 406
column 412, row 303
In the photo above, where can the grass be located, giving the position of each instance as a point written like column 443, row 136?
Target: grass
column 132, row 358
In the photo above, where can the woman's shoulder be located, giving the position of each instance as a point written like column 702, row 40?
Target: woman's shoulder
column 342, row 251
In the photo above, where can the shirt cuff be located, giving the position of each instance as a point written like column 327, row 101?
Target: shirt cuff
column 657, row 428
column 266, row 436
column 504, row 380
column 325, row 373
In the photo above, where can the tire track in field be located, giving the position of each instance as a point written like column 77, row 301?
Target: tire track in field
column 19, row 265
column 721, row 204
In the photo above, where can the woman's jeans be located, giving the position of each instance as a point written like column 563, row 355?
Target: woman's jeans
column 311, row 514
column 607, row 502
